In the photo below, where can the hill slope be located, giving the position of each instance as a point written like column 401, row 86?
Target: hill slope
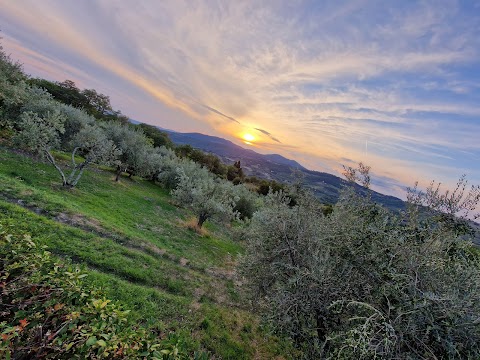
column 136, row 246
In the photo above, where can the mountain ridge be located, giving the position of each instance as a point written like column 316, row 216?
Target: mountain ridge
column 276, row 167
column 200, row 140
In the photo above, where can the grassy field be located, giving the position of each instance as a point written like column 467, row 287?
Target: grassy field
column 135, row 244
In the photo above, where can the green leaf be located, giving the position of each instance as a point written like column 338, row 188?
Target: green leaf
column 92, row 340
column 102, row 343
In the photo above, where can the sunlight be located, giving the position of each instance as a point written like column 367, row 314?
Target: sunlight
column 248, row 137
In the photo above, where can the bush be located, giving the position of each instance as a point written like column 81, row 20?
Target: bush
column 134, row 149
column 48, row 311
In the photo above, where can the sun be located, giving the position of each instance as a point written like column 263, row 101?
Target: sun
column 248, row 137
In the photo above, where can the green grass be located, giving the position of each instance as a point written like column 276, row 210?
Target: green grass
column 134, row 243
column 136, row 209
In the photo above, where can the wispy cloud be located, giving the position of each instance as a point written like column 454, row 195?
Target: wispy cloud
column 221, row 114
column 268, row 134
column 391, row 83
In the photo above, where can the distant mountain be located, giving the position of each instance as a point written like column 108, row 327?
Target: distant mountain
column 228, row 150
column 279, row 159
column 274, row 167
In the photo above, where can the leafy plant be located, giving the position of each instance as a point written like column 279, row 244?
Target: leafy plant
column 49, row 312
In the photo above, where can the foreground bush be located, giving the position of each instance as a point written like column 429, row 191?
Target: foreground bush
column 48, row 312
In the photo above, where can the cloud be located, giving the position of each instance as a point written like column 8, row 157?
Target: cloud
column 268, row 134
column 219, row 113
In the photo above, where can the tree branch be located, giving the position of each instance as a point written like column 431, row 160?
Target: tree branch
column 52, row 161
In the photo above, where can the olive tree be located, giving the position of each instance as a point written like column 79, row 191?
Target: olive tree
column 10, row 70
column 92, row 144
column 41, row 133
column 156, row 160
column 75, row 120
column 281, row 250
column 135, row 149
column 13, row 89
column 206, row 195
column 246, row 201
column 13, row 99
column 420, row 285
column 171, row 168
column 364, row 282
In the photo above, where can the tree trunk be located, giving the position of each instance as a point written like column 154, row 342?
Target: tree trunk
column 52, row 161
column 74, row 167
column 321, row 328
column 74, row 152
column 119, row 172
column 81, row 168
column 201, row 219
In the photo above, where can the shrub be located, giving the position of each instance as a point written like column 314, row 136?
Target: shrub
column 246, row 203
column 48, row 311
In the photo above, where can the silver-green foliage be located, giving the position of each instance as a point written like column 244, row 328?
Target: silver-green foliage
column 363, row 282
column 42, row 127
column 11, row 71
column 93, row 145
column 205, row 194
column 172, row 167
column 18, row 98
column 75, row 120
column 135, row 149
column 155, row 161
column 13, row 89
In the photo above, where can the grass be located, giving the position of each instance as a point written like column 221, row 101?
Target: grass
column 136, row 246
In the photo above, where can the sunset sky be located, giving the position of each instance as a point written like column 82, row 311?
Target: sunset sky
column 395, row 84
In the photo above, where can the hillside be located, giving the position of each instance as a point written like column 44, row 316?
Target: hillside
column 137, row 247
column 273, row 166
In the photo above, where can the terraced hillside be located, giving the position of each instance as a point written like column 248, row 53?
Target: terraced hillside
column 137, row 246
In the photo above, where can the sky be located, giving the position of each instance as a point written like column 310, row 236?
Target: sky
column 394, row 84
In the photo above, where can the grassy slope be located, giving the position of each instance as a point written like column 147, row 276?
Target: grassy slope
column 134, row 242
